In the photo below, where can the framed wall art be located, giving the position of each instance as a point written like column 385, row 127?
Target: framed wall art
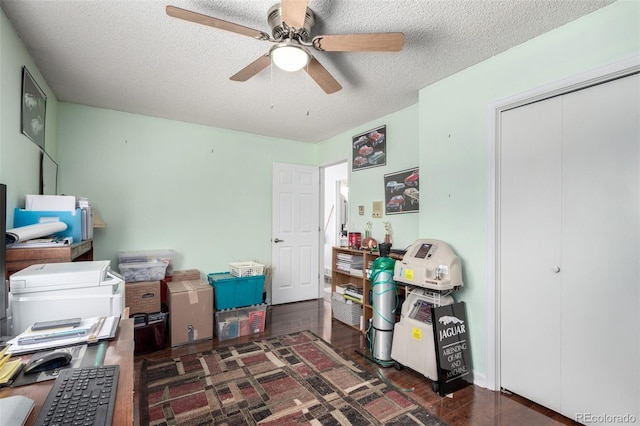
column 34, row 108
column 402, row 191
column 48, row 175
column 369, row 149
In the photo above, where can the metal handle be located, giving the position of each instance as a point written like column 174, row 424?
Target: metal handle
column 556, row 269
column 278, row 240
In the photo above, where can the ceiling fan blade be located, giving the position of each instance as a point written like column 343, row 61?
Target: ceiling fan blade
column 376, row 42
column 198, row 18
column 321, row 76
column 294, row 12
column 252, row 69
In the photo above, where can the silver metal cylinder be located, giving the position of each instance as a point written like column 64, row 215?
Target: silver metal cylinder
column 383, row 317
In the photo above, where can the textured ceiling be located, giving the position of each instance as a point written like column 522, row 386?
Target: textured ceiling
column 130, row 56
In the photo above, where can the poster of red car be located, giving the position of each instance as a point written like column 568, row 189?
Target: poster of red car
column 402, row 191
column 369, row 149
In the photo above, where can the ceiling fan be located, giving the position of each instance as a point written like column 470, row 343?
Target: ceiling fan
column 291, row 22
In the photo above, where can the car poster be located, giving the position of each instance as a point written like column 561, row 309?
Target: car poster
column 402, row 191
column 369, row 149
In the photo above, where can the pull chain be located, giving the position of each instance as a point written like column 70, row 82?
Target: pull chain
column 306, row 80
column 271, row 73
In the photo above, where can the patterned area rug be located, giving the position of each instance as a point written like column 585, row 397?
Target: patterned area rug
column 293, row 379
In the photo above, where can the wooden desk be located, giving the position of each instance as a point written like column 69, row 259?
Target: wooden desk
column 120, row 352
column 20, row 258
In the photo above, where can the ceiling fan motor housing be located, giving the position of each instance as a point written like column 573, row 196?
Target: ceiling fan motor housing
column 280, row 31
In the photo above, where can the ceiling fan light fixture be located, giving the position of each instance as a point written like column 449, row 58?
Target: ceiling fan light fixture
column 289, row 57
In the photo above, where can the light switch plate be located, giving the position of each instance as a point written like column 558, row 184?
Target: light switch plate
column 361, row 210
column 377, row 209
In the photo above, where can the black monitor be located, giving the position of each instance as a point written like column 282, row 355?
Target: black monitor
column 4, row 288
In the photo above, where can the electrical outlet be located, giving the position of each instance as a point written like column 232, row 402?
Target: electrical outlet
column 377, row 209
column 361, row 210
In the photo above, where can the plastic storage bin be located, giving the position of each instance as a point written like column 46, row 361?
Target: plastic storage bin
column 143, row 271
column 145, row 256
column 233, row 323
column 246, row 269
column 236, row 292
column 149, row 332
column 72, row 219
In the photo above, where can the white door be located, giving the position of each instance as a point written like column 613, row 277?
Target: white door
column 601, row 249
column 296, row 231
column 530, row 171
column 570, row 251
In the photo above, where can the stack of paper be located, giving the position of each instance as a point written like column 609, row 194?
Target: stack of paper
column 343, row 262
column 356, row 266
column 90, row 330
column 50, row 203
column 351, row 263
column 8, row 369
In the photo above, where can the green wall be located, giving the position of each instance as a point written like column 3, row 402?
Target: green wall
column 162, row 184
column 366, row 186
column 454, row 126
column 19, row 156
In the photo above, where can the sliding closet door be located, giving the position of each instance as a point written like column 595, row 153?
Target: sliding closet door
column 530, row 209
column 570, row 251
column 600, row 249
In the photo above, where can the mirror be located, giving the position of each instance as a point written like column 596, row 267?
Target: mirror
column 48, row 175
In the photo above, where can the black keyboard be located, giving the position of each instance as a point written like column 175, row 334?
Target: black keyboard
column 81, row 396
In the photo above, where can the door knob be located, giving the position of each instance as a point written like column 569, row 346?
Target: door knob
column 556, row 269
column 278, row 240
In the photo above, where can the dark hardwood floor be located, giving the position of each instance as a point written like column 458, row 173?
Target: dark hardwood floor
column 470, row 406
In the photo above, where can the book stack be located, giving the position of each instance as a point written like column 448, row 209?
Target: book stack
column 350, row 263
column 343, row 262
column 356, row 266
column 353, row 293
column 340, row 289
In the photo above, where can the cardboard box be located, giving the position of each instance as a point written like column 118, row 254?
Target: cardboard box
column 142, row 297
column 186, row 275
column 190, row 311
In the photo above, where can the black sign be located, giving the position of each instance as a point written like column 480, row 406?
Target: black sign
column 453, row 354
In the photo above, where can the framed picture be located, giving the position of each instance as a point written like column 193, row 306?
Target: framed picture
column 48, row 175
column 402, row 191
column 369, row 149
column 34, row 107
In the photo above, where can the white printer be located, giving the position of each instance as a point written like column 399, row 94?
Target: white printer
column 54, row 291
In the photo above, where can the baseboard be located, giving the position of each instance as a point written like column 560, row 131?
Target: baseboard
column 480, row 380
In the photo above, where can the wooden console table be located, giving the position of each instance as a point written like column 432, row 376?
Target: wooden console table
column 20, row 258
column 120, row 352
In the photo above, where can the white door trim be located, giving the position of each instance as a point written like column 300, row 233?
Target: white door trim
column 598, row 75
